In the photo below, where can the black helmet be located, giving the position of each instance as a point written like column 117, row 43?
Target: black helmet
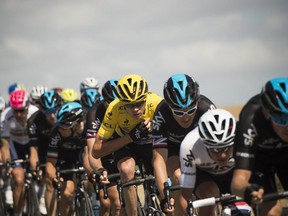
column 89, row 97
column 50, row 100
column 181, row 91
column 69, row 114
column 109, row 91
column 274, row 96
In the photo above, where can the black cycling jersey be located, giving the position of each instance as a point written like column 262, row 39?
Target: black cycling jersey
column 256, row 140
column 39, row 130
column 167, row 133
column 94, row 119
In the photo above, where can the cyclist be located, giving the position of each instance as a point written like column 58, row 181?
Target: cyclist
column 128, row 119
column 69, row 95
column 39, row 128
column 206, row 156
column 89, row 83
column 15, row 138
column 261, row 145
column 65, row 149
column 173, row 119
column 35, row 94
column 94, row 118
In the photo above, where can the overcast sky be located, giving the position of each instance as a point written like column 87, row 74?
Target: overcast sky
column 230, row 47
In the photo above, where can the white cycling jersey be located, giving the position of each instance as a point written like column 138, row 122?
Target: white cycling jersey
column 12, row 129
column 193, row 153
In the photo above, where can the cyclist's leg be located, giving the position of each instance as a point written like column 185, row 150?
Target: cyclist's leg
column 67, row 197
column 18, row 179
column 126, row 166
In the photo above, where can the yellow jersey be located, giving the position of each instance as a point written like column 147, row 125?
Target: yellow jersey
column 116, row 119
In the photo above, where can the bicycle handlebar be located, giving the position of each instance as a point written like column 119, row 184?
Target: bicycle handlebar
column 275, row 196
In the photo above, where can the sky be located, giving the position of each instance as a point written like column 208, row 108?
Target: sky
column 232, row 48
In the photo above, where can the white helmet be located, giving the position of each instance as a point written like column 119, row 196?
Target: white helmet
column 36, row 92
column 2, row 104
column 217, row 128
column 89, row 82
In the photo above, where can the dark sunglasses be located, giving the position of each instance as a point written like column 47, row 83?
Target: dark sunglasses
column 181, row 113
column 134, row 105
column 279, row 120
column 218, row 150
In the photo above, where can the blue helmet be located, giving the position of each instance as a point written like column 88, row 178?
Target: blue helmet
column 109, row 91
column 89, row 97
column 274, row 96
column 181, row 91
column 50, row 100
column 69, row 114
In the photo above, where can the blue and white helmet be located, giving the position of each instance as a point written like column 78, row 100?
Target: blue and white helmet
column 69, row 114
column 181, row 91
column 89, row 97
column 274, row 96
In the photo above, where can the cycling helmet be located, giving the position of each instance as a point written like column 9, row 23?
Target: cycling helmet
column 181, row 91
column 19, row 99
column 69, row 114
column 217, row 128
column 89, row 97
column 69, row 95
column 109, row 91
column 15, row 86
column 132, row 88
column 274, row 96
column 89, row 82
column 36, row 92
column 2, row 104
column 57, row 89
column 50, row 100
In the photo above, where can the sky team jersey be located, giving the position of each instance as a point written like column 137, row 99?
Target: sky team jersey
column 193, row 153
column 13, row 130
column 256, row 140
column 167, row 133
column 94, row 118
column 117, row 119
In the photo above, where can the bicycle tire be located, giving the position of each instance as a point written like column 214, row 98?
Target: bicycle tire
column 2, row 203
column 32, row 202
column 87, row 203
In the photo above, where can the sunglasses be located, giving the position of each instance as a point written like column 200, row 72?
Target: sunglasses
column 181, row 113
column 134, row 105
column 218, row 150
column 280, row 120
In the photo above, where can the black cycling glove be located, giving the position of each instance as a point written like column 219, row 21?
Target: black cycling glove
column 139, row 132
column 248, row 192
column 99, row 173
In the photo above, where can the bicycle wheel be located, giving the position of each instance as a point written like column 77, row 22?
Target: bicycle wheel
column 2, row 203
column 32, row 202
column 86, row 204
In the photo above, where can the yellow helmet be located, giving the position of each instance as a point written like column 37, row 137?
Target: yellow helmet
column 69, row 95
column 132, row 88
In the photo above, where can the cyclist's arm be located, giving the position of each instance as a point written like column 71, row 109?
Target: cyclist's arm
column 5, row 149
column 102, row 148
column 33, row 157
column 160, row 172
column 93, row 162
column 240, row 181
column 185, row 195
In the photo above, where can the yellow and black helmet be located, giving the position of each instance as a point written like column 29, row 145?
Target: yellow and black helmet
column 132, row 88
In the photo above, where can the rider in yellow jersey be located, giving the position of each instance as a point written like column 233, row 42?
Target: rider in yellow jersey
column 125, row 131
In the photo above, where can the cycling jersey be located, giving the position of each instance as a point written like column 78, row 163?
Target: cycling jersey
column 194, row 155
column 117, row 119
column 256, row 140
column 13, row 130
column 39, row 130
column 167, row 133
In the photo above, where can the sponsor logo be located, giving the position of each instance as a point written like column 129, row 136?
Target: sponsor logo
column 157, row 121
column 250, row 135
column 188, row 161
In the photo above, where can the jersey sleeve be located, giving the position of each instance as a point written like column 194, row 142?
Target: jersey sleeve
column 53, row 145
column 187, row 160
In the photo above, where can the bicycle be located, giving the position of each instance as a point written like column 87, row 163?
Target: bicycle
column 30, row 195
column 3, row 209
column 82, row 204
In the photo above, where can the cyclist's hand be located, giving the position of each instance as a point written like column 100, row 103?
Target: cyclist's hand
column 102, row 176
column 164, row 206
column 57, row 184
column 254, row 194
column 140, row 131
column 92, row 176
